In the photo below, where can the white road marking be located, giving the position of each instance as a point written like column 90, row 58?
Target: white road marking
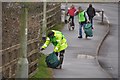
column 81, row 56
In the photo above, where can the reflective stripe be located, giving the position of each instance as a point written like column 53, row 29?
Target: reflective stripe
column 45, row 45
column 63, row 44
column 56, row 48
column 48, row 39
column 53, row 30
column 58, row 40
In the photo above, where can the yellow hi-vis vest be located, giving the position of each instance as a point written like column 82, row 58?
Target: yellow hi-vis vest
column 81, row 16
column 59, row 41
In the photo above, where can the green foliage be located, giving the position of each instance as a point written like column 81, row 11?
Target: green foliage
column 43, row 70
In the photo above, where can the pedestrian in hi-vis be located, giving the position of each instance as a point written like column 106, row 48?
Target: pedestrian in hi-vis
column 60, row 44
column 83, row 19
column 91, row 13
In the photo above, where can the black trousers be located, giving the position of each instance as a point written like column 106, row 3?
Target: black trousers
column 61, row 56
column 72, row 18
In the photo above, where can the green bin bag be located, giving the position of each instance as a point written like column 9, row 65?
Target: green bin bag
column 52, row 60
column 88, row 30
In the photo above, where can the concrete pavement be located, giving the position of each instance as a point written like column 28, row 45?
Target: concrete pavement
column 80, row 55
column 77, row 64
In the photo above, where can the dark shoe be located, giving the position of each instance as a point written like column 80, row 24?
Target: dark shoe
column 73, row 27
column 86, row 36
column 92, row 28
column 59, row 67
column 79, row 36
column 69, row 29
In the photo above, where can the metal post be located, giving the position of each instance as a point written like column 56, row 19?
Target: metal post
column 22, row 69
column 102, row 15
column 1, row 40
column 44, row 21
column 66, row 9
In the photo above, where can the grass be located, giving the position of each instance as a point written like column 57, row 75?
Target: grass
column 43, row 70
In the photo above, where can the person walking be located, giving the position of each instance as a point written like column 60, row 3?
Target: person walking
column 60, row 44
column 71, row 12
column 91, row 13
column 83, row 19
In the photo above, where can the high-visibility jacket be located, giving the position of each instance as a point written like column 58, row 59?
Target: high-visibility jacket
column 59, row 41
column 82, row 17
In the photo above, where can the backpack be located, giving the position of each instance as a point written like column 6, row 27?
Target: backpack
column 52, row 60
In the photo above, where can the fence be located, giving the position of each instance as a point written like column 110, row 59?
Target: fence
column 11, row 33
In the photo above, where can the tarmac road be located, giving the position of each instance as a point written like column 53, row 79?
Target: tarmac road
column 108, row 55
